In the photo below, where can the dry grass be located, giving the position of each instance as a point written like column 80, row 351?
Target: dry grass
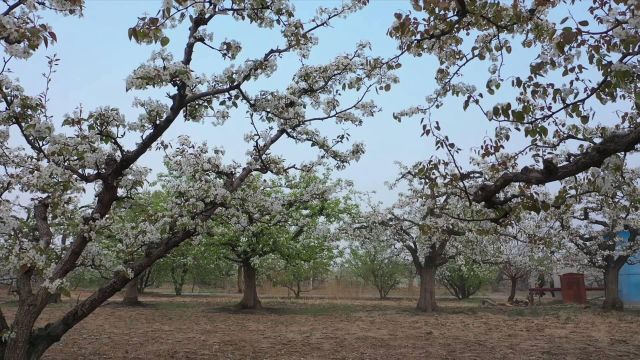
column 209, row 327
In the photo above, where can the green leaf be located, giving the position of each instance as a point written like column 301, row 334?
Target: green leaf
column 542, row 130
column 518, row 116
column 584, row 119
column 164, row 41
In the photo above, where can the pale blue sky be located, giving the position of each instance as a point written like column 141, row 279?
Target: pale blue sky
column 96, row 56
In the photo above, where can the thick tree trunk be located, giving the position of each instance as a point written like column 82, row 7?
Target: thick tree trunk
column 17, row 346
column 21, row 345
column 250, row 298
column 611, row 299
column 240, row 284
column 131, row 293
column 427, row 299
column 512, row 294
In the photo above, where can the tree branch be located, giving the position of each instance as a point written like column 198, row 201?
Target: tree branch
column 594, row 156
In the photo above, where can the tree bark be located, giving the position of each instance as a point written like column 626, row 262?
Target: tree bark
column 250, row 298
column 131, row 293
column 611, row 299
column 512, row 294
column 240, row 276
column 427, row 299
column 18, row 346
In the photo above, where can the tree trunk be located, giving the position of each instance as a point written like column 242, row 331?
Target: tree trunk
column 131, row 293
column 21, row 344
column 144, row 280
column 178, row 277
column 611, row 299
column 512, row 294
column 250, row 293
column 240, row 276
column 298, row 290
column 427, row 299
column 18, row 345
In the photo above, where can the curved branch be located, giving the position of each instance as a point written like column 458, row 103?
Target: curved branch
column 594, row 156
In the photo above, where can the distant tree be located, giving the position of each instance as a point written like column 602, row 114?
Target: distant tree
column 463, row 280
column 293, row 271
column 435, row 222
column 284, row 217
column 373, row 255
column 527, row 242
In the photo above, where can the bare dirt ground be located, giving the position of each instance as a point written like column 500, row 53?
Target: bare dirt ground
column 209, row 327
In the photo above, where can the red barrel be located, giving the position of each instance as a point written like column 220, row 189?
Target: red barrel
column 573, row 288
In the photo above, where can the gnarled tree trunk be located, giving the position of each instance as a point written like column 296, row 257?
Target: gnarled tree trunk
column 18, row 346
column 427, row 299
column 131, row 293
column 612, row 300
column 250, row 298
column 21, row 344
